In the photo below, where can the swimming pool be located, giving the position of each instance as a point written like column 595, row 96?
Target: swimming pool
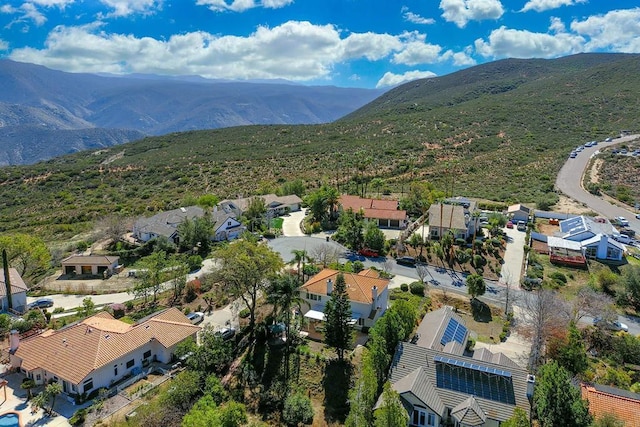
column 10, row 419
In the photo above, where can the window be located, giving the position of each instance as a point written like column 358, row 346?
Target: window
column 613, row 253
column 431, row 419
column 130, row 363
column 115, row 370
column 38, row 377
column 229, row 224
column 87, row 385
column 419, row 417
column 147, row 354
column 74, row 388
column 314, row 297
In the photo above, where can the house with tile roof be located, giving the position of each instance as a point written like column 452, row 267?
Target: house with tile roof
column 440, row 384
column 165, row 224
column 623, row 404
column 18, row 289
column 368, row 294
column 385, row 213
column 96, row 265
column 518, row 212
column 100, row 350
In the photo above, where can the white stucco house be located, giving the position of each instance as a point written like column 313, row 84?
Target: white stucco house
column 15, row 287
column 100, row 350
column 368, row 295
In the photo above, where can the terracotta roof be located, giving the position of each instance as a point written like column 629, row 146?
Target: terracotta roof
column 90, row 260
column 518, row 207
column 17, row 284
column 621, row 403
column 358, row 285
column 373, row 208
column 75, row 351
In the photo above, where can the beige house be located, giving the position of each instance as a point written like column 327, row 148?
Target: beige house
column 100, row 350
column 385, row 213
column 17, row 288
column 95, row 265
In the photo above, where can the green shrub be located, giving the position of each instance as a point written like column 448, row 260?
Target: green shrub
column 404, row 287
column 297, row 410
column 558, row 277
column 58, row 310
column 244, row 313
column 78, row 417
column 417, row 288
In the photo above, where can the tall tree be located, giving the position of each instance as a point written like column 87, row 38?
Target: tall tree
column 557, row 401
column 475, row 285
column 318, row 205
column 391, row 413
column 196, row 233
column 363, row 395
column 255, row 212
column 631, row 281
column 284, row 294
column 244, row 268
column 570, row 353
column 350, row 230
column 153, row 274
column 26, row 253
column 373, row 237
column 518, row 419
column 338, row 332
column 543, row 315
column 299, row 258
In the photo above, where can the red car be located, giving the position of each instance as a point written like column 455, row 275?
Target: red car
column 509, row 224
column 368, row 252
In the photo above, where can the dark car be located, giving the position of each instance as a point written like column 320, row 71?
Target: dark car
column 408, row 261
column 41, row 303
column 628, row 232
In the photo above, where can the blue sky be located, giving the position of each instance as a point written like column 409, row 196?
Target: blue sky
column 357, row 43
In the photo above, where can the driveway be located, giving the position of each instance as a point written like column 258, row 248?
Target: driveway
column 513, row 257
column 569, row 181
column 291, row 223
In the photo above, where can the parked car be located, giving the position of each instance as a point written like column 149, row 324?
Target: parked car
column 226, row 333
column 628, row 232
column 368, row 252
column 509, row 224
column 195, row 317
column 622, row 238
column 40, row 303
column 622, row 221
column 522, row 226
column 573, row 155
column 608, row 139
column 613, row 326
column 408, row 261
column 638, row 216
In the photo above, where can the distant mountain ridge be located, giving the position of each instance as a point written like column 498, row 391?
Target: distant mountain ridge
column 104, row 110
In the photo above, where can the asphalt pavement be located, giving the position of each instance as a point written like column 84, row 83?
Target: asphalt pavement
column 569, row 181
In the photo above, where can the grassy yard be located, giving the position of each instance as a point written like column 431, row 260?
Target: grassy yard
column 276, row 223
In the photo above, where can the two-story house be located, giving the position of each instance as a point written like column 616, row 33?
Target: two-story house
column 368, row 295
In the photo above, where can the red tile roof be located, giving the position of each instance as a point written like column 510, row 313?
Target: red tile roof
column 602, row 400
column 358, row 285
column 373, row 208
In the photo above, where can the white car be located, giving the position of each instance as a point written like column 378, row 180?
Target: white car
column 638, row 216
column 195, row 317
column 622, row 221
column 613, row 326
column 622, row 238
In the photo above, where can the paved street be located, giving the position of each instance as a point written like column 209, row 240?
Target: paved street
column 569, row 181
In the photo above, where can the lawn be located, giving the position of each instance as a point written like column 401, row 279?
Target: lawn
column 276, row 223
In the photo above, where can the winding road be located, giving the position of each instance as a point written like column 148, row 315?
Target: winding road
column 569, row 181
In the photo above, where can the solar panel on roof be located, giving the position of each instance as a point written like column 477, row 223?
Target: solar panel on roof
column 469, row 365
column 454, row 331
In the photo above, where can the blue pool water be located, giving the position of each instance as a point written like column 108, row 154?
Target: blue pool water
column 9, row 420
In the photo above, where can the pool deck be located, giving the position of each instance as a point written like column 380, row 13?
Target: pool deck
column 16, row 401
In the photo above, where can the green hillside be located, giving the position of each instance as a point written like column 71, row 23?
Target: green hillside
column 500, row 131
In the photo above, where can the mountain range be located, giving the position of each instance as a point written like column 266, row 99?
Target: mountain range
column 46, row 113
column 498, row 131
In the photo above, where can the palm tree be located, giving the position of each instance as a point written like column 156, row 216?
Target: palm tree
column 332, row 196
column 284, row 294
column 28, row 384
column 299, row 257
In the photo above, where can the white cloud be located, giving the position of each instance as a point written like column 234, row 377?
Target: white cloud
column 51, row 3
column 460, row 59
column 128, row 7
column 391, row 79
column 557, row 26
column 417, row 52
column 4, row 45
column 542, row 5
column 415, row 18
column 462, row 11
column 371, row 46
column 617, row 30
column 505, row 42
column 242, row 5
column 26, row 12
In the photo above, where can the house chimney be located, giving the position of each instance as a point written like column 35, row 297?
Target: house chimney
column 374, row 295
column 7, row 279
column 14, row 341
column 329, row 287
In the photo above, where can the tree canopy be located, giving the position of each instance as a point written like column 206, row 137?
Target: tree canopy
column 338, row 332
column 26, row 253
